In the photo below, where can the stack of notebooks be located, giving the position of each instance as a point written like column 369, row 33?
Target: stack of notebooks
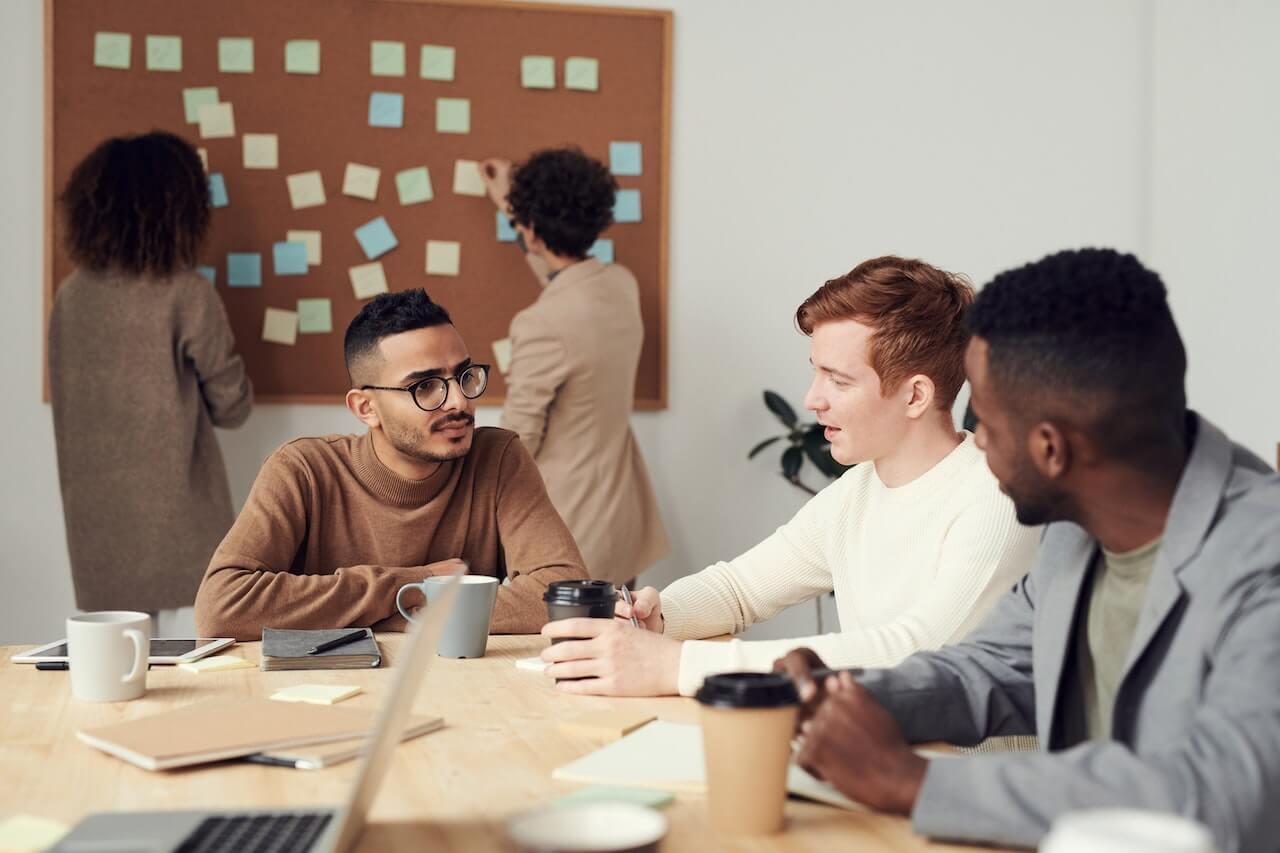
column 287, row 649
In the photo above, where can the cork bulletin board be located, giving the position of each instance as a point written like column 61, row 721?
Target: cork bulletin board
column 326, row 79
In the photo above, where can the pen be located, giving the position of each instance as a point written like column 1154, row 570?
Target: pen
column 340, row 641
column 626, row 596
column 53, row 664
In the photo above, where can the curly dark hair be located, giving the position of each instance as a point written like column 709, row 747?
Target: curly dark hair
column 388, row 314
column 1087, row 333
column 137, row 204
column 565, row 197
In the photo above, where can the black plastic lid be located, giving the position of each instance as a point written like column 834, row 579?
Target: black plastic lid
column 580, row 592
column 748, row 690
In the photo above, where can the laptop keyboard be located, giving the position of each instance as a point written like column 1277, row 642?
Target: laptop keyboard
column 267, row 833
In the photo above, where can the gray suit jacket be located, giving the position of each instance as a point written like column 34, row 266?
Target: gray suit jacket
column 1197, row 715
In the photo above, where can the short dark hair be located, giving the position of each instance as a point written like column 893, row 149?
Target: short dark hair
column 565, row 197
column 1087, row 333
column 137, row 204
column 389, row 314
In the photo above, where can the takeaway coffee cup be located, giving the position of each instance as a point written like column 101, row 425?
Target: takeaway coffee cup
column 1125, row 831
column 579, row 599
column 107, row 653
column 747, row 722
column 466, row 631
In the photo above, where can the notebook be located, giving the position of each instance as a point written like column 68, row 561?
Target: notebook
column 285, row 648
column 320, row 756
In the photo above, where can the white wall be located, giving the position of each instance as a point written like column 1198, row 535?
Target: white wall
column 809, row 136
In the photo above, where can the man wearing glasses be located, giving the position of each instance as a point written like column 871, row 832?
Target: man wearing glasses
column 335, row 525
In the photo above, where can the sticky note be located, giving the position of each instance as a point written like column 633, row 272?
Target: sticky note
column 203, row 154
column 443, row 257
column 261, row 150
column 310, row 239
column 602, row 249
column 538, row 72
column 195, row 98
column 582, row 73
column 375, row 238
column 437, row 62
column 315, row 316
column 217, row 121
column 360, row 181
column 368, row 280
column 306, row 189
column 506, row 234
column 217, row 190
column 386, row 58
column 302, row 56
column 280, row 326
column 626, row 207
column 289, row 258
column 453, row 115
column 235, row 55
column 606, row 724
column 316, row 694
column 467, row 179
column 386, row 109
column 625, row 158
column 30, row 832
column 651, row 798
column 111, row 50
column 164, row 53
column 210, row 273
column 217, row 663
column 414, row 185
column 502, row 357
column 244, row 269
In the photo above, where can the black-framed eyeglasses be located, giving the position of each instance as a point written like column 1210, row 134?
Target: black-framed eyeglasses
column 431, row 393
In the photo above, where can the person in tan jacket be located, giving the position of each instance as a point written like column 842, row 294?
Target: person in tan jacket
column 574, row 354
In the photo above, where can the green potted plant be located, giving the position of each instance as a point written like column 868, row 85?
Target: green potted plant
column 804, row 441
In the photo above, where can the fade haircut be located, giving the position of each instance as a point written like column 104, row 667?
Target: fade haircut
column 388, row 314
column 566, row 197
column 917, row 313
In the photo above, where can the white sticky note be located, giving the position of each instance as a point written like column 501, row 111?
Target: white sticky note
column 204, row 158
column 582, row 73
column 502, row 354
column 194, row 98
column 164, row 53
column 261, row 151
column 386, row 58
column 310, row 239
column 444, row 257
column 280, row 326
column 437, row 62
column 235, row 55
column 368, row 280
column 111, row 50
column 467, row 179
column 361, row 181
column 532, row 664
column 30, row 832
column 217, row 121
column 217, row 663
column 306, row 189
column 316, row 694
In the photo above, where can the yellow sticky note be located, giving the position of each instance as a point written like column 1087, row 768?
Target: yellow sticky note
column 538, row 72
column 437, row 62
column 368, row 280
column 280, row 327
column 217, row 663
column 310, row 239
column 361, row 181
column 467, row 179
column 582, row 73
column 306, row 189
column 111, row 50
column 502, row 354
column 235, row 55
column 444, row 257
column 164, row 53
column 261, row 151
column 217, row 121
column 28, row 832
column 316, row 694
column 606, row 724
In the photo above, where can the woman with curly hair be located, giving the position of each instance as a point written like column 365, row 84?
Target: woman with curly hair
column 141, row 369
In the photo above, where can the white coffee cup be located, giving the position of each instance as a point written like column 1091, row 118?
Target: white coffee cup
column 108, row 654
column 1125, row 831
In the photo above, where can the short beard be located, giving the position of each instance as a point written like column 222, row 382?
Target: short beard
column 410, row 443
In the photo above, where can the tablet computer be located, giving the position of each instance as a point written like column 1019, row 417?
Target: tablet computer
column 162, row 650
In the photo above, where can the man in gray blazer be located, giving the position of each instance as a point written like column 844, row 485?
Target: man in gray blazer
column 1143, row 647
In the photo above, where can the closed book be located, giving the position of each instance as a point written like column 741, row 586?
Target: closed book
column 286, row 648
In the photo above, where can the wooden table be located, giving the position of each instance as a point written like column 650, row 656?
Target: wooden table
column 452, row 789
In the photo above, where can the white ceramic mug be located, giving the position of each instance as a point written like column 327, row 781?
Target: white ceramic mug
column 108, row 654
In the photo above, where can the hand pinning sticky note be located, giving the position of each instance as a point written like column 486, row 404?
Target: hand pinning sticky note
column 386, row 58
column 261, row 150
column 316, row 694
column 437, row 62
column 235, row 55
column 538, row 72
column 306, row 189
column 444, row 257
column 111, row 50
column 164, row 53
column 582, row 74
column 361, row 181
column 453, row 115
column 315, row 316
column 310, row 239
column 467, row 179
column 280, row 326
column 302, row 56
column 414, row 185
column 368, row 280
column 217, row 121
column 376, row 238
column 217, row 663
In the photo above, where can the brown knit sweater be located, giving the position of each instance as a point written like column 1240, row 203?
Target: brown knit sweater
column 329, row 534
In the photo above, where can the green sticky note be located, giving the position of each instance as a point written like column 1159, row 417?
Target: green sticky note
column 609, row 794
column 437, row 62
column 414, row 185
column 315, row 316
column 111, row 50
column 235, row 55
column 194, row 99
column 386, row 58
column 453, row 115
column 582, row 73
column 164, row 53
column 538, row 72
column 302, row 56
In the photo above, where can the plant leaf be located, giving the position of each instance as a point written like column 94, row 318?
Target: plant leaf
column 781, row 408
column 762, row 445
column 792, row 459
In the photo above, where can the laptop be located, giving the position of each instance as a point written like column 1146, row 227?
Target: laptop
column 314, row 830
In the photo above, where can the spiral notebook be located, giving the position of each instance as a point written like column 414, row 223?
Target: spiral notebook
column 286, row 648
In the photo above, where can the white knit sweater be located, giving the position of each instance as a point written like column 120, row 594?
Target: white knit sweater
column 914, row 567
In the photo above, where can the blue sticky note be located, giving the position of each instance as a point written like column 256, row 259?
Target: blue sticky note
column 624, row 158
column 289, row 258
column 210, row 273
column 506, row 234
column 602, row 249
column 626, row 208
column 375, row 238
column 217, row 190
column 386, row 109
column 244, row 269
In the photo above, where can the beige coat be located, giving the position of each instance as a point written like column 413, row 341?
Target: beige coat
column 570, row 387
